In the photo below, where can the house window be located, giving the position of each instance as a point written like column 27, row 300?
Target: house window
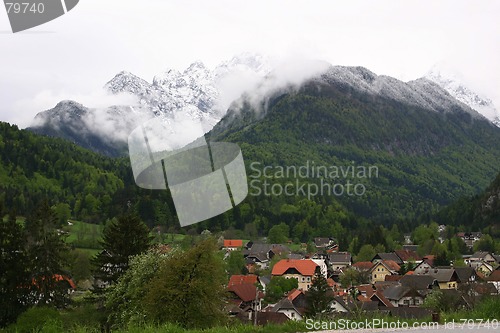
column 449, row 285
column 308, row 279
column 303, row 279
column 375, row 276
column 293, row 314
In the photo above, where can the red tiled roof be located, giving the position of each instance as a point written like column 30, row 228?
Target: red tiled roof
column 390, row 264
column 393, row 277
column 495, row 276
column 246, row 292
column 293, row 294
column 378, row 294
column 366, row 289
column 407, row 255
column 305, row 267
column 242, row 279
column 362, row 298
column 363, row 265
column 233, row 243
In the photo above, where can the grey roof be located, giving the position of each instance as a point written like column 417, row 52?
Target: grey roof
column 265, row 248
column 258, row 256
column 382, row 285
column 396, row 292
column 420, row 282
column 479, row 255
column 265, row 279
column 340, row 257
column 350, row 305
column 323, row 241
column 464, row 274
column 295, row 256
column 284, row 304
column 442, row 274
column 388, row 256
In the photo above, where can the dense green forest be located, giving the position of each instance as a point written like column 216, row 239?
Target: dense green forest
column 425, row 159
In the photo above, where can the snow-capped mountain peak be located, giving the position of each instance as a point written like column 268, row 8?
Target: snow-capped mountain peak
column 456, row 88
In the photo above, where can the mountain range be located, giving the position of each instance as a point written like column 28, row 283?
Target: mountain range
column 195, row 93
column 203, row 96
column 430, row 148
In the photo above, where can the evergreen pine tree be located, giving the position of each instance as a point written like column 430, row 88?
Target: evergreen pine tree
column 319, row 295
column 13, row 271
column 46, row 250
column 124, row 237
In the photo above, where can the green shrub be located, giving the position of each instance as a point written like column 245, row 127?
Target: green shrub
column 38, row 319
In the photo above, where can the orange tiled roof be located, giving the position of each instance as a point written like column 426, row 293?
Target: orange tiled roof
column 293, row 294
column 242, row 279
column 304, row 267
column 233, row 243
column 59, row 278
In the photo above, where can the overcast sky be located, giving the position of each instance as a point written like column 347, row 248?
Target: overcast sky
column 73, row 56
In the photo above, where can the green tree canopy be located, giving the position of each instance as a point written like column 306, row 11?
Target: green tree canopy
column 319, row 296
column 189, row 288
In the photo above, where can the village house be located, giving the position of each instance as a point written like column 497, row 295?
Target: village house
column 287, row 307
column 326, row 244
column 245, row 296
column 482, row 256
column 257, row 254
column 447, row 278
column 232, row 244
column 302, row 270
column 362, row 266
column 482, row 268
column 425, row 265
column 494, row 279
column 340, row 260
column 470, row 238
column 411, row 290
column 408, row 256
column 382, row 268
column 466, row 275
column 387, row 256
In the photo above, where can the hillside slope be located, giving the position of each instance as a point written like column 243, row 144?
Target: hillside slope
column 430, row 149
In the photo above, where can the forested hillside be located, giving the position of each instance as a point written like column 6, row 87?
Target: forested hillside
column 426, row 159
column 34, row 168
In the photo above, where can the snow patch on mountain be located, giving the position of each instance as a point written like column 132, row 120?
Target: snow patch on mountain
column 197, row 93
column 456, row 88
column 421, row 92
